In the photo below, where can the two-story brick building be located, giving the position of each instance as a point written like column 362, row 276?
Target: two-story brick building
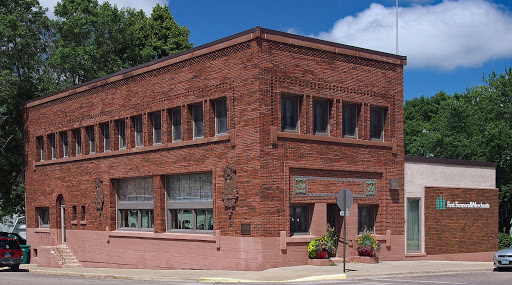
column 225, row 156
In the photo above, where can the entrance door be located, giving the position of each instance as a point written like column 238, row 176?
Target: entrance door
column 61, row 219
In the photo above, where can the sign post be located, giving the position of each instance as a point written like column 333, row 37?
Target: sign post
column 345, row 199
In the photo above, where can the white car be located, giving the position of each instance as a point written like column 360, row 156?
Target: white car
column 503, row 258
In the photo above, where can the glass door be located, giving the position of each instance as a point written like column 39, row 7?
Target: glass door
column 413, row 225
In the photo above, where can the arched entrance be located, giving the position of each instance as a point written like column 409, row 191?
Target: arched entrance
column 61, row 219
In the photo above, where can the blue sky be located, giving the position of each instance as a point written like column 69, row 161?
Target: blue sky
column 449, row 44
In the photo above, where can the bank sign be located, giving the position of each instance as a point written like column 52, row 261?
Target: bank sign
column 442, row 204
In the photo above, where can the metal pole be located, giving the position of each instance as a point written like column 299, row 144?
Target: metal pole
column 344, row 228
column 396, row 26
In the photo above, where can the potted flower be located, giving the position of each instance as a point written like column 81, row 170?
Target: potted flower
column 367, row 244
column 322, row 247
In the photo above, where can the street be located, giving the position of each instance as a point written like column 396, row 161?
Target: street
column 25, row 277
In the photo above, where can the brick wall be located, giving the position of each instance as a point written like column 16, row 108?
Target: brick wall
column 460, row 230
column 252, row 75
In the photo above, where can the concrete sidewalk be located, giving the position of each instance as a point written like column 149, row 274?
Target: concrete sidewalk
column 282, row 274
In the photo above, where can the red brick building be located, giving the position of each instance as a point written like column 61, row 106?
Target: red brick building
column 225, row 156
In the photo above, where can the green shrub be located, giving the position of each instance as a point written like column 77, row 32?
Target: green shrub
column 504, row 240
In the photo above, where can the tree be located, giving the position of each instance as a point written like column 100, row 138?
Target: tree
column 23, row 44
column 39, row 56
column 475, row 125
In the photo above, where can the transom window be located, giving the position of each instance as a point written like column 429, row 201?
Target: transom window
column 290, row 113
column 321, row 116
column 221, row 117
column 377, row 119
column 190, row 202
column 350, row 116
column 135, row 203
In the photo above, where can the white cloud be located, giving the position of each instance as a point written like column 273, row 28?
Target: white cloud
column 145, row 5
column 446, row 35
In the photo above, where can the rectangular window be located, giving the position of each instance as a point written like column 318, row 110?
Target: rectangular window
column 40, row 143
column 197, row 120
column 135, row 203
column 366, row 218
column 413, row 225
column 121, row 129
column 350, row 116
column 157, row 128
column 290, row 113
column 221, row 117
column 377, row 119
column 176, row 124
column 43, row 214
column 92, row 140
column 139, row 138
column 75, row 214
column 82, row 216
column 299, row 219
column 65, row 144
column 106, row 137
column 51, row 138
column 321, row 117
column 78, row 141
column 190, row 202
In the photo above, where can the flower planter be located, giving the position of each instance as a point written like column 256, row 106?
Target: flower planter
column 366, row 251
column 324, row 254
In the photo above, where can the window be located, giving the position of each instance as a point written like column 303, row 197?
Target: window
column 106, row 136
column 78, row 141
column 176, row 124
column 366, row 218
column 221, row 117
column 135, row 203
column 320, row 117
column 197, row 120
column 65, row 145
column 350, row 117
column 299, row 219
column 74, row 218
column 51, row 138
column 413, row 225
column 157, row 128
column 92, row 142
column 190, row 202
column 40, row 143
column 43, row 214
column 138, row 132
column 290, row 113
column 83, row 214
column 377, row 119
column 121, row 129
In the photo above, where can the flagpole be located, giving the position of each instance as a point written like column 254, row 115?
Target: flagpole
column 396, row 26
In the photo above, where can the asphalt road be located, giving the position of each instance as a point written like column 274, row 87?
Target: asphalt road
column 25, row 277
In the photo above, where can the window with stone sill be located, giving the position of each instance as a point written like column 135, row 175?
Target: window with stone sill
column 51, row 139
column 65, row 143
column 82, row 215
column 43, row 214
column 350, row 118
column 92, row 139
column 300, row 219
column 121, row 130
column 321, row 116
column 176, row 124
column 156, row 119
column 197, row 120
column 290, row 113
column 366, row 218
column 139, row 138
column 105, row 129
column 189, row 202
column 78, row 141
column 221, row 116
column 40, row 146
column 135, row 203
column 377, row 122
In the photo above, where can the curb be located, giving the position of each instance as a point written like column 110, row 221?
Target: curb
column 304, row 279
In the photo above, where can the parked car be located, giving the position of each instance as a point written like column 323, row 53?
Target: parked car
column 503, row 258
column 16, row 236
column 11, row 254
